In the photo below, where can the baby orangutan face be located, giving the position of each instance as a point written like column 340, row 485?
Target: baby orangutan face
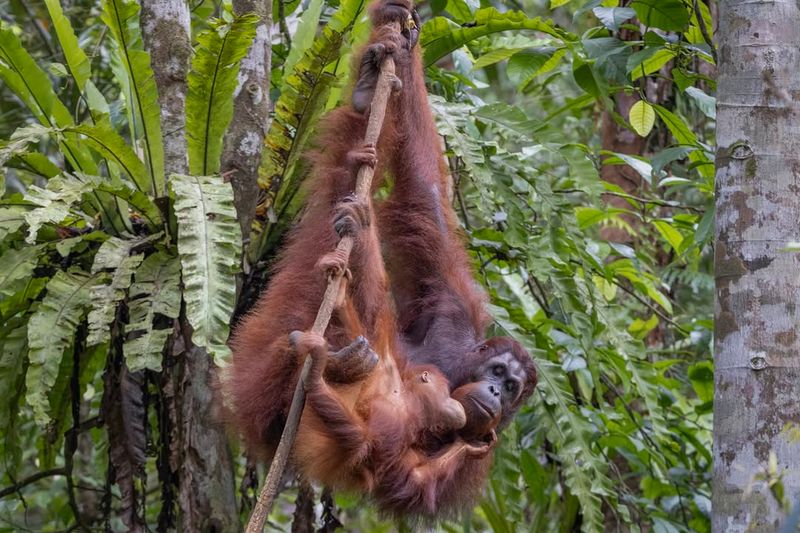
column 440, row 412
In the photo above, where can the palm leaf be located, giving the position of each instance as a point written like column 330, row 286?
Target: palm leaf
column 212, row 80
column 50, row 333
column 209, row 244
column 121, row 16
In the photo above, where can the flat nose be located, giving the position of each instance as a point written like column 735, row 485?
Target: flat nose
column 494, row 390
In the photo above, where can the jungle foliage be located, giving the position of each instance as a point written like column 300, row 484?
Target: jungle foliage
column 606, row 282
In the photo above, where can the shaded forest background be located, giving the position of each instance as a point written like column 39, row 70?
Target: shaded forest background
column 579, row 136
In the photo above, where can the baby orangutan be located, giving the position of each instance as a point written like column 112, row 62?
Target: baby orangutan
column 377, row 454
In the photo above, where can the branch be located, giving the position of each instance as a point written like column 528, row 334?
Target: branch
column 363, row 187
column 32, row 479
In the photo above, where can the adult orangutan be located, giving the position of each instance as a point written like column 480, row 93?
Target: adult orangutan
column 428, row 310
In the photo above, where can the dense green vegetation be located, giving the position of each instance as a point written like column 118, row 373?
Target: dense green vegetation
column 579, row 136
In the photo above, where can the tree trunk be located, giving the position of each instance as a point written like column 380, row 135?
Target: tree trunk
column 199, row 458
column 244, row 140
column 757, row 346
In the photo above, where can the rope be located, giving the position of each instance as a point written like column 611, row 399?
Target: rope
column 266, row 498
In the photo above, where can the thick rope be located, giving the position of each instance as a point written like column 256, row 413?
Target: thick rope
column 363, row 187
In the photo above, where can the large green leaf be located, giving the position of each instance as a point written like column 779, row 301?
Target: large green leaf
column 668, row 15
column 209, row 245
column 30, row 83
column 12, row 218
column 16, row 268
column 121, row 17
column 212, row 80
column 155, row 292
column 441, row 36
column 107, row 142
column 303, row 37
column 50, row 333
column 54, row 203
column 141, row 203
column 76, row 59
column 19, row 141
column 113, row 256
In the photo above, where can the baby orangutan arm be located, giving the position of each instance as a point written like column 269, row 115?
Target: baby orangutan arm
column 349, row 431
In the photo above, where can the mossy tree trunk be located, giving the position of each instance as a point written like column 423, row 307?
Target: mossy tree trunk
column 196, row 467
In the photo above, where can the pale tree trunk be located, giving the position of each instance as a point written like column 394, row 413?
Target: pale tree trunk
column 757, row 342
column 196, row 459
column 244, row 140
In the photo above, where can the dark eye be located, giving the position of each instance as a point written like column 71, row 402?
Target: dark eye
column 498, row 370
column 510, row 385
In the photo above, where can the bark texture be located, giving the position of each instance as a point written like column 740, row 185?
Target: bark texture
column 166, row 33
column 757, row 343
column 241, row 155
column 200, row 461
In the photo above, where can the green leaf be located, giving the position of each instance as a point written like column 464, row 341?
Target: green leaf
column 453, row 122
column 668, row 15
column 303, row 96
column 670, row 234
column 701, row 376
column 642, row 116
column 13, row 350
column 16, row 268
column 12, row 218
column 20, row 139
column 637, row 163
column 441, row 36
column 585, row 78
column 527, row 64
column 108, row 143
column 155, row 291
column 212, row 80
column 139, row 201
column 707, row 104
column 682, row 133
column 685, row 136
column 53, row 204
column 303, row 37
column 209, row 245
column 649, row 60
column 78, row 63
column 30, row 83
column 462, row 10
column 495, row 55
column 50, row 334
column 613, row 17
column 113, row 256
column 121, row 17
